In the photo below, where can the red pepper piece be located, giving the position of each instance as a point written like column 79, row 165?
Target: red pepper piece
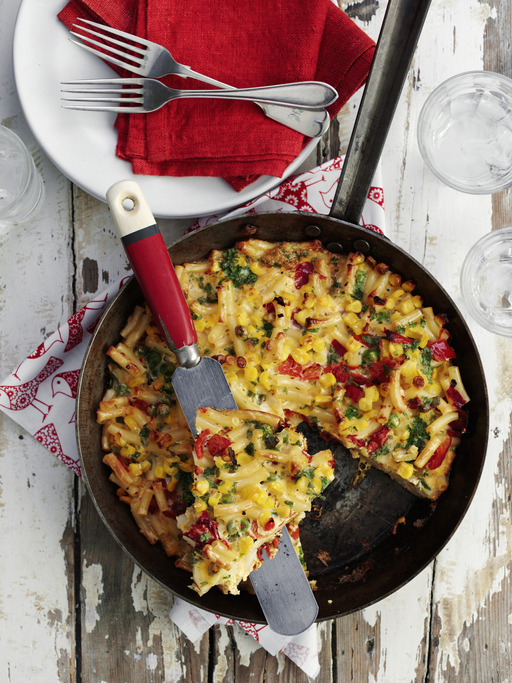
column 354, row 393
column 437, row 459
column 201, row 443
column 357, row 442
column 302, row 273
column 339, row 371
column 218, row 443
column 378, row 439
column 269, row 525
column 308, row 372
column 176, row 509
column 140, row 404
column 455, row 397
column 441, row 350
column 398, row 338
column 205, row 528
column 338, row 348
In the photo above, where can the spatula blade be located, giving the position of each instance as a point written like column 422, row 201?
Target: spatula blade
column 289, row 605
column 202, row 386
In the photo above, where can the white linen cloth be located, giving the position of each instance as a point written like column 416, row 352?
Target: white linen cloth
column 40, row 393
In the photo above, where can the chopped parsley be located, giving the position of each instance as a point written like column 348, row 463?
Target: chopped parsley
column 418, row 435
column 358, row 291
column 238, row 274
column 352, row 412
column 426, row 362
column 249, row 449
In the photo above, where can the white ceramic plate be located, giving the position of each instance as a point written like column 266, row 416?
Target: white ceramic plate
column 82, row 144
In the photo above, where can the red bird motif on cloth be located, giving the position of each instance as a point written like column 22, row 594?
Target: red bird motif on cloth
column 76, row 332
column 66, row 383
column 43, row 348
column 48, row 437
column 24, row 395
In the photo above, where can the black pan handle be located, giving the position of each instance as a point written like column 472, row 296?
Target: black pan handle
column 399, row 34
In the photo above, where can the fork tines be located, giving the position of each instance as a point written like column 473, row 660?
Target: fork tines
column 124, row 99
column 131, row 50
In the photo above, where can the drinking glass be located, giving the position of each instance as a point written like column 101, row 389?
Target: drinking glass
column 486, row 281
column 465, row 132
column 21, row 186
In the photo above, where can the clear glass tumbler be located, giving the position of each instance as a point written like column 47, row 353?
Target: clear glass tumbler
column 465, row 132
column 486, row 281
column 21, row 186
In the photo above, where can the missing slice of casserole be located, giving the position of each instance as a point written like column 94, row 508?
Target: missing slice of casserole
column 253, row 476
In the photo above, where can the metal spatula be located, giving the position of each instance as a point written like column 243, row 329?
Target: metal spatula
column 281, row 586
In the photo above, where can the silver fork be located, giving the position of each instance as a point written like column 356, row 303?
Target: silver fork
column 154, row 61
column 151, row 94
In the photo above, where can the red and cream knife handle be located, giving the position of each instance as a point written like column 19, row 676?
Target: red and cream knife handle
column 153, row 268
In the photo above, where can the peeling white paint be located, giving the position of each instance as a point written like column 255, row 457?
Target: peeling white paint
column 92, row 579
column 151, row 662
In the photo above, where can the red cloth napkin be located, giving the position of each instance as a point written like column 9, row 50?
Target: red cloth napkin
column 246, row 43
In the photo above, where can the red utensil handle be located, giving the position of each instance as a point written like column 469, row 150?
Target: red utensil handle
column 151, row 264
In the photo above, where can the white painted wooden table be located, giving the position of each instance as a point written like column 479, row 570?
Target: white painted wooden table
column 73, row 608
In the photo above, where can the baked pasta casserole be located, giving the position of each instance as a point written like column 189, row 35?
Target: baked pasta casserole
column 338, row 341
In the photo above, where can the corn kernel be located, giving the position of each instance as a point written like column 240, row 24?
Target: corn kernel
column 245, row 544
column 300, row 356
column 408, row 286
column 252, row 331
column 250, row 373
column 159, row 472
column 358, row 259
column 395, row 349
column 437, row 388
column 276, row 487
column 327, row 380
column 417, row 301
column 318, row 345
column 395, row 317
column 322, row 399
column 243, row 319
column 146, row 465
column 130, row 422
column 127, row 451
column 407, row 307
column 409, row 368
column 424, row 340
column 351, row 319
column 256, row 268
column 300, row 461
column 172, row 485
column 372, row 393
column 136, row 381
column 316, row 485
column 200, row 506
column 283, row 510
column 355, row 306
column 303, row 484
column 214, row 499
column 323, row 471
column 199, row 325
column 365, row 404
column 231, row 376
column 135, row 469
column 324, row 301
column 225, row 487
column 370, row 414
column 269, row 503
column 413, row 450
column 302, row 316
column 256, row 320
column 251, row 294
column 395, row 280
column 307, row 343
column 265, row 380
column 405, row 470
column 353, row 345
column 309, row 302
column 260, row 497
column 265, row 517
column 170, row 470
column 201, row 487
column 219, row 462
